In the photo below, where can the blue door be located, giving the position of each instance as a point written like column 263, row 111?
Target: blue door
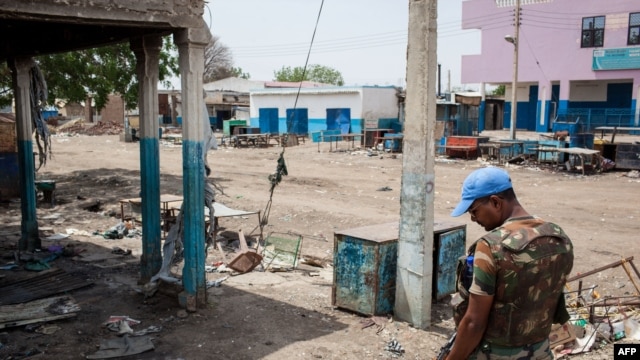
column 339, row 119
column 532, row 109
column 268, row 120
column 298, row 121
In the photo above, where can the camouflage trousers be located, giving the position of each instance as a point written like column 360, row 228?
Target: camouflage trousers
column 537, row 351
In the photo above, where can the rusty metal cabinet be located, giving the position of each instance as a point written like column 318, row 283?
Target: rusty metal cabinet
column 365, row 259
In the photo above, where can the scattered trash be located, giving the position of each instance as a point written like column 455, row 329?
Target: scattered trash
column 55, row 248
column 119, row 251
column 632, row 174
column 631, row 328
column 42, row 264
column 116, row 318
column 9, row 266
column 149, row 330
column 72, row 231
column 47, row 329
column 223, row 269
column 379, row 322
column 385, row 188
column 124, row 346
column 216, row 283
column 56, row 237
column 245, row 260
column 394, row 347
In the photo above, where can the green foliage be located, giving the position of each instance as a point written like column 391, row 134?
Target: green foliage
column 97, row 72
column 317, row 73
column 499, row 91
column 6, row 91
column 237, row 72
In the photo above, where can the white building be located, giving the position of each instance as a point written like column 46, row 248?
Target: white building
column 349, row 109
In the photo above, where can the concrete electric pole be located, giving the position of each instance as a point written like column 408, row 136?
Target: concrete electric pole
column 415, row 245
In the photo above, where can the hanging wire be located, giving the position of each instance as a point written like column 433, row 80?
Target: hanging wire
column 281, row 168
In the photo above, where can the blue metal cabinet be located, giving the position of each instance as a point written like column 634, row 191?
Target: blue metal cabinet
column 449, row 245
column 365, row 259
column 364, row 271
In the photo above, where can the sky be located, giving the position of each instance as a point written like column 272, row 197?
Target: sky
column 365, row 40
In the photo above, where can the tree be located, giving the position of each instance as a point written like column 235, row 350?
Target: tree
column 6, row 89
column 218, row 61
column 97, row 72
column 499, row 91
column 317, row 73
column 237, row 72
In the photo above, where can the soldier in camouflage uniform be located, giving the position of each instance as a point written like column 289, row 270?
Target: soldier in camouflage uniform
column 513, row 288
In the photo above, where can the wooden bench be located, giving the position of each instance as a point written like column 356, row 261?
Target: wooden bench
column 461, row 147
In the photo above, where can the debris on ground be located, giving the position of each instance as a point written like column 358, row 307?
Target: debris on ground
column 394, row 347
column 596, row 320
column 123, row 346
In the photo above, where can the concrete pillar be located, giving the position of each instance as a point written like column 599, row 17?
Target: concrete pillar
column 191, row 43
column 544, row 107
column 482, row 108
column 21, row 72
column 147, row 51
column 565, row 94
column 415, row 245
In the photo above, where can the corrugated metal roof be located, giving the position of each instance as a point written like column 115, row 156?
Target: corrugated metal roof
column 306, row 91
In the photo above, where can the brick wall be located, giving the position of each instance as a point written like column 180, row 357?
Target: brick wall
column 8, row 136
column 113, row 112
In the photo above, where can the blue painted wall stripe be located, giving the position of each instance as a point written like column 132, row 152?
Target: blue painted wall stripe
column 315, row 124
column 193, row 183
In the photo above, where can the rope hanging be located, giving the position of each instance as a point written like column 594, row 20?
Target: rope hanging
column 281, row 168
column 38, row 98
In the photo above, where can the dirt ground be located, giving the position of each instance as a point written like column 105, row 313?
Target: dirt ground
column 284, row 315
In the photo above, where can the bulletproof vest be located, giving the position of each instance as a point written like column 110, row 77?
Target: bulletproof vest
column 533, row 259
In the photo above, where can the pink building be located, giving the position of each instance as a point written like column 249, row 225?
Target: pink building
column 578, row 59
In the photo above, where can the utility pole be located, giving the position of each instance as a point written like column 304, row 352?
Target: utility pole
column 414, row 277
column 514, row 85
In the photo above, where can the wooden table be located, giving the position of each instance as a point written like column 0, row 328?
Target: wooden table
column 343, row 137
column 165, row 201
column 251, row 139
column 494, row 149
column 614, row 129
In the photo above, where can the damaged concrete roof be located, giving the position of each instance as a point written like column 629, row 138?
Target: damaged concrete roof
column 36, row 27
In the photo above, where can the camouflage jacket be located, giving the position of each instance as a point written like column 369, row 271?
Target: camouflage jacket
column 533, row 259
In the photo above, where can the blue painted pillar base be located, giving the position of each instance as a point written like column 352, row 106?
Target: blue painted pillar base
column 151, row 260
column 193, row 274
column 30, row 237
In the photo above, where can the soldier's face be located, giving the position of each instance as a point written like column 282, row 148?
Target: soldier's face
column 486, row 212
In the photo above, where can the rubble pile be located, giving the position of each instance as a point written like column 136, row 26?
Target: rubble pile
column 78, row 126
column 104, row 128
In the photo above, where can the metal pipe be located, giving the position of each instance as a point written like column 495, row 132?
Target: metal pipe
column 591, row 272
